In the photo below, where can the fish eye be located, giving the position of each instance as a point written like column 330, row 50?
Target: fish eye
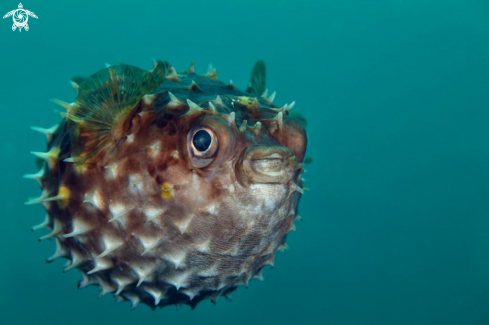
column 210, row 142
column 204, row 143
column 202, row 140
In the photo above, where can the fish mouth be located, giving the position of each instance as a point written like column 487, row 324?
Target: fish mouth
column 265, row 164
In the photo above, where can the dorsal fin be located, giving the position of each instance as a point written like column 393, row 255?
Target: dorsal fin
column 258, row 79
column 78, row 80
column 105, row 103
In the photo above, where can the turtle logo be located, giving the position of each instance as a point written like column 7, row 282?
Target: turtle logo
column 20, row 16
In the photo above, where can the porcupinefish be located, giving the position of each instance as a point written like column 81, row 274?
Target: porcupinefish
column 169, row 188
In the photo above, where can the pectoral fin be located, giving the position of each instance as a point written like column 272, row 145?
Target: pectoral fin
column 105, row 103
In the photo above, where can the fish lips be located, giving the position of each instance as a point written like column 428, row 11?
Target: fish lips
column 268, row 164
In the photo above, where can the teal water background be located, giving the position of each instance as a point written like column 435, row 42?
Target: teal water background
column 396, row 224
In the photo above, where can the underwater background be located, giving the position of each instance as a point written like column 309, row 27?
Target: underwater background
column 395, row 226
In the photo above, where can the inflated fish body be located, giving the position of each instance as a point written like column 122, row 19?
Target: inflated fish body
column 170, row 188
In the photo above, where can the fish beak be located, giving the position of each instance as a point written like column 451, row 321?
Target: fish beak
column 265, row 164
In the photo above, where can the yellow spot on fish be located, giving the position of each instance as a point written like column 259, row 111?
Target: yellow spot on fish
column 247, row 101
column 50, row 156
column 80, row 168
column 166, row 190
column 62, row 197
column 63, row 193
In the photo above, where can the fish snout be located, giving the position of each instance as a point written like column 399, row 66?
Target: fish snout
column 268, row 164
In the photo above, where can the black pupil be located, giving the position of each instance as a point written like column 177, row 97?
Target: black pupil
column 202, row 140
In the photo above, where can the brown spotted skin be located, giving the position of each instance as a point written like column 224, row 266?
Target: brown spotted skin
column 152, row 222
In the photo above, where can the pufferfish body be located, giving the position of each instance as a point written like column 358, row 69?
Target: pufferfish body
column 170, row 188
